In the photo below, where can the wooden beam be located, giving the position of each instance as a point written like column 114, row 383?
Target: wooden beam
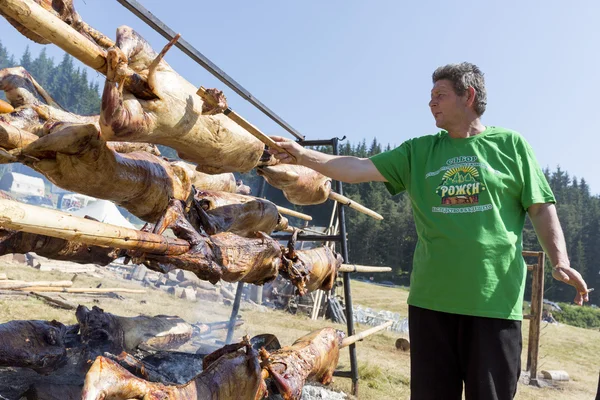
column 36, row 19
column 81, row 290
column 360, row 336
column 39, row 220
column 362, row 268
column 7, row 284
column 537, row 298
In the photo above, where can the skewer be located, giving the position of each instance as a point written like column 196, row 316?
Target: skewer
column 360, row 336
column 34, row 219
column 362, row 268
column 294, row 213
column 354, row 205
column 257, row 133
column 35, row 18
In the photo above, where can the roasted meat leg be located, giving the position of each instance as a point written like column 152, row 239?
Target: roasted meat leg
column 300, row 185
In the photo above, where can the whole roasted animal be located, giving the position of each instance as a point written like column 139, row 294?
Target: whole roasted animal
column 54, row 248
column 39, row 345
column 76, row 158
column 236, row 213
column 225, row 256
column 311, row 269
column 64, row 10
column 177, row 118
column 300, row 185
column 235, row 375
column 102, row 331
column 313, row 357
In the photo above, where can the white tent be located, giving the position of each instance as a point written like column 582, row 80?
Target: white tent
column 104, row 211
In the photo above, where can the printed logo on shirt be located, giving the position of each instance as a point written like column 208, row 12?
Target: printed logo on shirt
column 461, row 185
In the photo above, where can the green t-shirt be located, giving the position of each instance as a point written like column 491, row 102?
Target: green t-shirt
column 469, row 199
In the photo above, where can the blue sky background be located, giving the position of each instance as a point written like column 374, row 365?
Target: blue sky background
column 363, row 68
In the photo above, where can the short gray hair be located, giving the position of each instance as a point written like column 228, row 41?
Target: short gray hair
column 463, row 76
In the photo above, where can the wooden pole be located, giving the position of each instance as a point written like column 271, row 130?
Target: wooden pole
column 354, row 205
column 362, row 268
column 257, row 133
column 39, row 220
column 360, row 336
column 36, row 19
column 293, row 213
column 537, row 298
column 80, row 290
column 22, row 284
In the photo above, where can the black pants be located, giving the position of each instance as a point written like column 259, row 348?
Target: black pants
column 447, row 350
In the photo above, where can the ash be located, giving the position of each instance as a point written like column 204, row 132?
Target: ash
column 310, row 392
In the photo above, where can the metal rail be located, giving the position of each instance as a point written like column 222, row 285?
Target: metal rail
column 142, row 13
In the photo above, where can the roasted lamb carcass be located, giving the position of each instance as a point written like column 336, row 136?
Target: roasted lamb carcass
column 312, row 269
column 39, row 345
column 300, row 185
column 33, row 106
column 103, row 331
column 176, row 118
column 76, row 158
column 236, row 213
column 235, row 375
column 312, row 357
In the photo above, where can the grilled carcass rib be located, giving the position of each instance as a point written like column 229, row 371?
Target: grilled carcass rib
column 103, row 331
column 236, row 213
column 54, row 248
column 39, row 345
column 235, row 375
column 312, row 357
column 300, row 185
column 176, row 118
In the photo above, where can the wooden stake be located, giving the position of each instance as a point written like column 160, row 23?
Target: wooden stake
column 36, row 19
column 354, row 205
column 22, row 284
column 39, row 220
column 293, row 213
column 81, row 290
column 257, row 133
column 360, row 336
column 362, row 268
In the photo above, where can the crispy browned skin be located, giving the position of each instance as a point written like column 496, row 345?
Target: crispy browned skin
column 312, row 269
column 115, row 334
column 300, row 185
column 76, row 158
column 233, row 376
column 175, row 118
column 236, row 213
column 225, row 182
column 54, row 248
column 312, row 357
column 38, row 345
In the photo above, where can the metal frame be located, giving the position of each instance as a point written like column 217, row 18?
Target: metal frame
column 150, row 19
column 141, row 12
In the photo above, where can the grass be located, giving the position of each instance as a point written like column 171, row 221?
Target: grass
column 384, row 371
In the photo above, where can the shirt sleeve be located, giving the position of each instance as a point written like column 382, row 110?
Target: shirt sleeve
column 535, row 187
column 394, row 165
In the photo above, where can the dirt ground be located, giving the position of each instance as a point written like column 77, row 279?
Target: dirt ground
column 384, row 371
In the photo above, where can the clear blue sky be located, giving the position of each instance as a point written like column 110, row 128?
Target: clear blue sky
column 363, row 68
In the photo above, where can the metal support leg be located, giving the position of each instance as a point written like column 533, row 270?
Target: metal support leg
column 346, row 280
column 234, row 312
